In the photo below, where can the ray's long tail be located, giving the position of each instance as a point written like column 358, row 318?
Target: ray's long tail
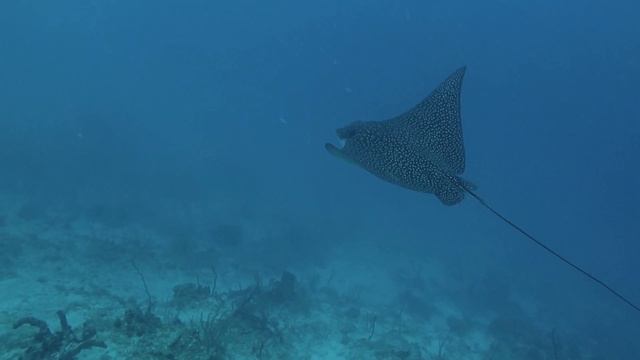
column 470, row 191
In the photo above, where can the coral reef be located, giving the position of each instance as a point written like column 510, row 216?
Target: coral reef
column 190, row 293
column 136, row 322
column 232, row 322
column 243, row 311
column 59, row 345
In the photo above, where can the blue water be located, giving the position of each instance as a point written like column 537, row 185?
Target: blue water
column 145, row 109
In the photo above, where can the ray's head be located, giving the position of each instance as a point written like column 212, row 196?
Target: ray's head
column 421, row 149
column 357, row 139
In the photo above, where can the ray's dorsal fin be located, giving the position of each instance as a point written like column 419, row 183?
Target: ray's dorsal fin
column 435, row 124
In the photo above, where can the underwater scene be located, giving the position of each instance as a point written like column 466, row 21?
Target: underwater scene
column 310, row 180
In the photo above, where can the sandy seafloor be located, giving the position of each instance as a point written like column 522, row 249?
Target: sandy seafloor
column 218, row 302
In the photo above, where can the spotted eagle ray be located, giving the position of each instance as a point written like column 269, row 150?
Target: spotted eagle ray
column 423, row 150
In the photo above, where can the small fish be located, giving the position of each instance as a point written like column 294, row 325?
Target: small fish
column 423, row 150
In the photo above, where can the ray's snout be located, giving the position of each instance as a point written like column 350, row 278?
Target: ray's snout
column 333, row 150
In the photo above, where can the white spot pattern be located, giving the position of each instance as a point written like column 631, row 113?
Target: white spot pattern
column 421, row 150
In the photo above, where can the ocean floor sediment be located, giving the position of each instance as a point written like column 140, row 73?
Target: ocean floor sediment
column 76, row 288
